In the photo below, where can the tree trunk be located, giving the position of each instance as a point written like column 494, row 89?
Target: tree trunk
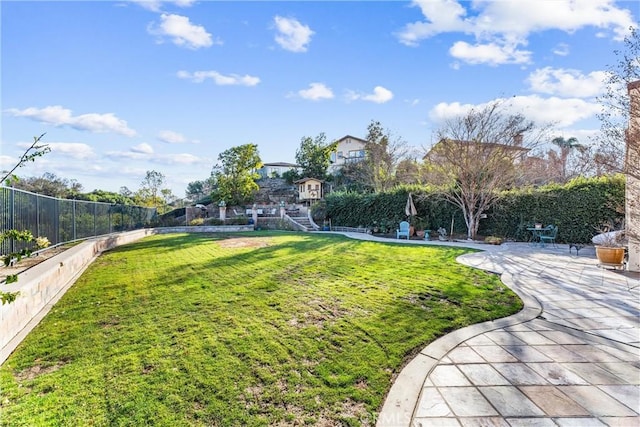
column 469, row 219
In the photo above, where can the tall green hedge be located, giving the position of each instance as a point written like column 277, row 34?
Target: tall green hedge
column 578, row 208
column 388, row 209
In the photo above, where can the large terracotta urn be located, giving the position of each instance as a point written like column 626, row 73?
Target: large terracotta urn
column 610, row 255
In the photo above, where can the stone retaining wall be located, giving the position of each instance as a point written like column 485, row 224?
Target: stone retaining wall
column 205, row 229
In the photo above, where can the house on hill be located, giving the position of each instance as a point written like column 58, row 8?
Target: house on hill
column 348, row 149
column 479, row 150
column 277, row 169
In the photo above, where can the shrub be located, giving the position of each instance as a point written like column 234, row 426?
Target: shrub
column 578, row 208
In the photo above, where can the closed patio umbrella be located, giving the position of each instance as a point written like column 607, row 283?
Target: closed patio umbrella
column 410, row 208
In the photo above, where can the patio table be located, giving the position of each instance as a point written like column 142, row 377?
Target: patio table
column 536, row 232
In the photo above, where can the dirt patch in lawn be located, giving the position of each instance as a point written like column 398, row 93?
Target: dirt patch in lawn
column 245, row 242
column 37, row 370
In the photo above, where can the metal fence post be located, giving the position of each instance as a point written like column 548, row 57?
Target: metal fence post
column 37, row 216
column 12, row 216
column 73, row 218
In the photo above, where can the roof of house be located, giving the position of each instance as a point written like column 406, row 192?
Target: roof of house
column 300, row 181
column 486, row 144
column 364, row 141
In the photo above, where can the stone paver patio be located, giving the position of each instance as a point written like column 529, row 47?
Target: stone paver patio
column 571, row 357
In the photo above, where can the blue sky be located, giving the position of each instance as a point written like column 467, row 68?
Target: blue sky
column 123, row 87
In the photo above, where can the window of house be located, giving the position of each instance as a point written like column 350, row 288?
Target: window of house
column 340, row 155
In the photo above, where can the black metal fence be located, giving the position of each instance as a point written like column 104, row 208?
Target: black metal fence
column 62, row 220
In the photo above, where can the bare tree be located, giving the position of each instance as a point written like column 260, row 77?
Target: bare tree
column 615, row 102
column 479, row 154
column 619, row 140
column 35, row 150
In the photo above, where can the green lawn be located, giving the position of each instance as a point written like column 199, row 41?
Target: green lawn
column 256, row 329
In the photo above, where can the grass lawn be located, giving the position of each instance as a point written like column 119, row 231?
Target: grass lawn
column 265, row 328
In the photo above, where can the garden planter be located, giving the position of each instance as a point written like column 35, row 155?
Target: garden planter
column 609, row 255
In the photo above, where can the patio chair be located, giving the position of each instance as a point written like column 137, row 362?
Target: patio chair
column 549, row 236
column 403, row 230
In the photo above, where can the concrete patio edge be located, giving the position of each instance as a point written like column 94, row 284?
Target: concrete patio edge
column 400, row 403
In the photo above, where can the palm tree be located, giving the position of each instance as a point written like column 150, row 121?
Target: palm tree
column 566, row 146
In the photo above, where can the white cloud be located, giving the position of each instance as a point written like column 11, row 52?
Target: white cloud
column 156, row 5
column 7, row 162
column 489, row 53
column 180, row 159
column 219, row 79
column 56, row 115
column 133, row 154
column 559, row 111
column 144, row 152
column 142, row 148
column 171, row 137
column 380, row 95
column 566, row 82
column 442, row 16
column 182, row 32
column 74, row 150
column 292, row 35
column 562, row 49
column 500, row 27
column 316, row 92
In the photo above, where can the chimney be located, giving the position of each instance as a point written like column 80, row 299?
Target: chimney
column 517, row 140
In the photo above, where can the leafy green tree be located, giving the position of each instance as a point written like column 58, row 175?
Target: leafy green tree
column 106, row 197
column 237, row 174
column 409, row 171
column 49, row 184
column 148, row 194
column 152, row 192
column 167, row 196
column 291, row 176
column 197, row 190
column 314, row 156
column 125, row 192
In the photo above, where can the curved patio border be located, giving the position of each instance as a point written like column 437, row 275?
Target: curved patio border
column 401, row 401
